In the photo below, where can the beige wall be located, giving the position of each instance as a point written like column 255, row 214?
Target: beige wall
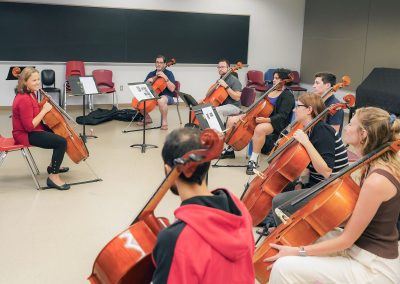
column 350, row 37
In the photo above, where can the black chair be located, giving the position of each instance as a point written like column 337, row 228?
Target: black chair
column 49, row 83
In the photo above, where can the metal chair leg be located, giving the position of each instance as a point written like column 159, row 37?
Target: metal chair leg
column 33, row 161
column 179, row 114
column 25, row 155
column 3, row 156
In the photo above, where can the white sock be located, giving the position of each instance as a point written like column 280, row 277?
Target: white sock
column 229, row 149
column 254, row 157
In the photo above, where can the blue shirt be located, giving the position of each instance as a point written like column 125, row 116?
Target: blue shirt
column 170, row 76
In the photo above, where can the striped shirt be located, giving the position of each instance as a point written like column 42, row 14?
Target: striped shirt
column 331, row 148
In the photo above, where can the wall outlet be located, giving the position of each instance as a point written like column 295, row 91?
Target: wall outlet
column 121, row 88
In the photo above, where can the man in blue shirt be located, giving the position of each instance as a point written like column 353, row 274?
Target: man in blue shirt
column 323, row 81
column 166, row 96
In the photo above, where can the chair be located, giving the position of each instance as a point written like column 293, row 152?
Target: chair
column 269, row 76
column 176, row 95
column 104, row 83
column 247, row 97
column 295, row 87
column 73, row 68
column 8, row 145
column 48, row 77
column 255, row 80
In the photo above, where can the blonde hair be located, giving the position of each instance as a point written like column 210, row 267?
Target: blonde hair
column 313, row 100
column 380, row 130
column 23, row 77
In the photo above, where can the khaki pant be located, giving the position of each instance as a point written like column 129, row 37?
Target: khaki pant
column 354, row 265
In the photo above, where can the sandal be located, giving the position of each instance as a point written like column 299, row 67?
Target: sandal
column 164, row 127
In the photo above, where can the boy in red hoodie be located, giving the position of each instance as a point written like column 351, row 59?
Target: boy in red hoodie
column 212, row 240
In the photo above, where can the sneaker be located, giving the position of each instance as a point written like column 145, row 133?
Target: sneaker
column 227, row 154
column 250, row 167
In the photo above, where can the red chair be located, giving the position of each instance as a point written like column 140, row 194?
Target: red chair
column 176, row 95
column 73, row 68
column 8, row 145
column 104, row 83
column 255, row 80
column 295, row 87
column 247, row 97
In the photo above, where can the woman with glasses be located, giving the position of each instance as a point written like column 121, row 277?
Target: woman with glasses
column 324, row 146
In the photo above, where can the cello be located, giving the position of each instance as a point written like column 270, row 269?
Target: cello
column 240, row 134
column 127, row 257
column 159, row 84
column 216, row 94
column 295, row 125
column 287, row 164
column 330, row 204
column 76, row 149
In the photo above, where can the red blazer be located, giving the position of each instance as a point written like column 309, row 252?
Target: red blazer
column 25, row 107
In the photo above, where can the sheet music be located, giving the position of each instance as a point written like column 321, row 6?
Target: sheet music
column 211, row 118
column 89, row 86
column 141, row 91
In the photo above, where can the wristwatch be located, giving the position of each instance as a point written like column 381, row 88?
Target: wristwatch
column 302, row 252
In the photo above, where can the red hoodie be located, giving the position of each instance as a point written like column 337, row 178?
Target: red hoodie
column 211, row 242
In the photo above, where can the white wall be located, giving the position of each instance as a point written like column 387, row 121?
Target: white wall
column 275, row 40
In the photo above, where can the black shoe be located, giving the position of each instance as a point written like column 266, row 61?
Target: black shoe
column 250, row 167
column 61, row 170
column 51, row 184
column 227, row 154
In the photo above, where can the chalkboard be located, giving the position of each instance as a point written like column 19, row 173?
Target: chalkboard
column 37, row 32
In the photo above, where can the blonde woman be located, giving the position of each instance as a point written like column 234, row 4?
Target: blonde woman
column 367, row 250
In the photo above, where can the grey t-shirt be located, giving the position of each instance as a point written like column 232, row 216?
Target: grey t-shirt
column 235, row 85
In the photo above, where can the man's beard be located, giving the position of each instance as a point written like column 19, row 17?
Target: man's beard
column 173, row 187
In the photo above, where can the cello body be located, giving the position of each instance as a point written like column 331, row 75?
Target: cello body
column 131, row 250
column 76, row 149
column 327, row 210
column 283, row 170
column 240, row 136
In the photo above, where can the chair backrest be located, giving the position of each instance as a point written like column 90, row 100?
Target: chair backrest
column 48, row 77
column 103, row 77
column 296, row 77
column 248, row 96
column 74, row 68
column 256, row 77
column 269, row 75
column 177, row 88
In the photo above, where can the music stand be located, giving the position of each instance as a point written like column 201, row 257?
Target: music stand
column 83, row 86
column 143, row 92
column 208, row 117
column 190, row 102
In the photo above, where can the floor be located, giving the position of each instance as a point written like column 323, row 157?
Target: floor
column 50, row 236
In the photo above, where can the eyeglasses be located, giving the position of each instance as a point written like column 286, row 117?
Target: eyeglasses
column 159, row 62
column 221, row 67
column 300, row 105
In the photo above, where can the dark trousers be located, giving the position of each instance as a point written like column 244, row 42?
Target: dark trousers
column 49, row 140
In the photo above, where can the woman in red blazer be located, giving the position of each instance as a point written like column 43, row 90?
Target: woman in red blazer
column 28, row 128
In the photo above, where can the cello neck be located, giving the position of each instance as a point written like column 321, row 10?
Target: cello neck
column 158, row 194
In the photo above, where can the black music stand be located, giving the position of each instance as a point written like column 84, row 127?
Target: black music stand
column 208, row 117
column 83, row 86
column 190, row 103
column 143, row 92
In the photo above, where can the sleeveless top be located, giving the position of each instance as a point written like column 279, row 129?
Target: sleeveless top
column 273, row 100
column 381, row 235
